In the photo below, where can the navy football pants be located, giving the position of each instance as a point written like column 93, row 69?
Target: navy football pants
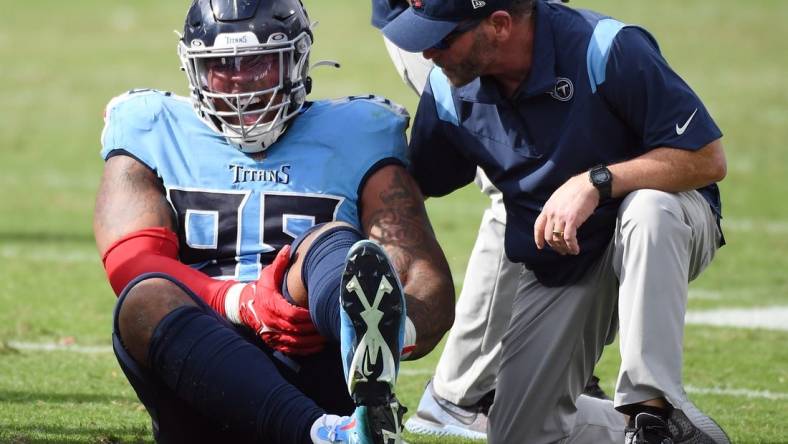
column 319, row 376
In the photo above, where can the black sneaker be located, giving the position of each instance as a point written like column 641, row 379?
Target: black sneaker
column 645, row 428
column 593, row 389
column 486, row 402
column 691, row 426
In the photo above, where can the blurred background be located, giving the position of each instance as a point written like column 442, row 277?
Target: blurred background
column 63, row 61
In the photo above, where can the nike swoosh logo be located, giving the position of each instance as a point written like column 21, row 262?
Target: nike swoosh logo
column 460, row 414
column 365, row 367
column 680, row 129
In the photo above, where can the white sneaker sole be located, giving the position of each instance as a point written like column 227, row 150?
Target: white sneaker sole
column 420, row 426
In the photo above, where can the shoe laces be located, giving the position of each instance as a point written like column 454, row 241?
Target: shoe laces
column 648, row 431
column 652, row 432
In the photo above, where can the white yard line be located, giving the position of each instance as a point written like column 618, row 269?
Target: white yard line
column 738, row 393
column 53, row 346
column 706, row 295
column 771, row 226
column 770, row 318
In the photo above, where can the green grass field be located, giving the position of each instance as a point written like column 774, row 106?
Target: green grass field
column 62, row 61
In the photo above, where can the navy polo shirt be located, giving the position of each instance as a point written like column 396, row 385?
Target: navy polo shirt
column 599, row 92
column 384, row 11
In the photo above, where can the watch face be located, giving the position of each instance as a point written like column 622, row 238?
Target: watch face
column 600, row 175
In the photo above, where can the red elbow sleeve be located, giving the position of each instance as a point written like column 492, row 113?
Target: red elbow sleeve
column 128, row 257
column 155, row 250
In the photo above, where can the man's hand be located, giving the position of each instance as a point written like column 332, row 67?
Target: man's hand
column 282, row 325
column 568, row 208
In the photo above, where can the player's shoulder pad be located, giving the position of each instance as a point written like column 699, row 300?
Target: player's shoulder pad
column 138, row 108
column 369, row 107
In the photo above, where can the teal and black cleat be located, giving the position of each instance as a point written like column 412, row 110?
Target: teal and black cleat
column 372, row 317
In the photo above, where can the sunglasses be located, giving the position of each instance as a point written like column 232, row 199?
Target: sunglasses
column 461, row 29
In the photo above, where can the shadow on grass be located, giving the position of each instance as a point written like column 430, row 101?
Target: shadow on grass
column 21, row 397
column 32, row 434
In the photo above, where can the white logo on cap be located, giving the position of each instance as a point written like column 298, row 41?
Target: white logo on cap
column 478, row 4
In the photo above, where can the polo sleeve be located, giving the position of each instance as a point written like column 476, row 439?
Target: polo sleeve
column 654, row 101
column 435, row 161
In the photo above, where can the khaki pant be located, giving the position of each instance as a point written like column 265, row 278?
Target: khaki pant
column 469, row 363
column 556, row 334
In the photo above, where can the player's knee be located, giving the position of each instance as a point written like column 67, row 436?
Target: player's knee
column 316, row 233
column 320, row 248
column 143, row 306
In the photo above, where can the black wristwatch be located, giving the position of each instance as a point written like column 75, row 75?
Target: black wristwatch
column 602, row 180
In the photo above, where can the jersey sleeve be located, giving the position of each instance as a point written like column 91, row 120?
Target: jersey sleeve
column 654, row 101
column 129, row 123
column 436, row 163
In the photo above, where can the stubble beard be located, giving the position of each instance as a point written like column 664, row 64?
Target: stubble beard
column 474, row 64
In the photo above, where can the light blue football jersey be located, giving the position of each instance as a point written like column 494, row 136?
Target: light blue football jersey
column 233, row 212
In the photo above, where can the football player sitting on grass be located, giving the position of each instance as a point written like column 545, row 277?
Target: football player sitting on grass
column 233, row 228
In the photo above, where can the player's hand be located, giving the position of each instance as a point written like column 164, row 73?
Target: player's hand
column 568, row 208
column 282, row 325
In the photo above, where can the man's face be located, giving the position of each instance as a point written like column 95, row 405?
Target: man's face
column 466, row 57
column 243, row 75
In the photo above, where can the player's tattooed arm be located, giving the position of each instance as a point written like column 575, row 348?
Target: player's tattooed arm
column 393, row 213
column 130, row 198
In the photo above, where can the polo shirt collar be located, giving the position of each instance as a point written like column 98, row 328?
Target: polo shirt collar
column 540, row 80
column 481, row 90
column 542, row 77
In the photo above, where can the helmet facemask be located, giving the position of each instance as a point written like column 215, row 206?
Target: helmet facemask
column 247, row 90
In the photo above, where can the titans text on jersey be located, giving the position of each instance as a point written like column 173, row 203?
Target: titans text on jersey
column 243, row 174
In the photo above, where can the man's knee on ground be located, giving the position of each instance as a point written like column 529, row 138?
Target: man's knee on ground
column 142, row 309
column 295, row 282
column 650, row 210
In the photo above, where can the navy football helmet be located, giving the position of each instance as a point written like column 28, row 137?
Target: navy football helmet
column 247, row 63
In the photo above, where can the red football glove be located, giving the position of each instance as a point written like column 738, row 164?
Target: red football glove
column 262, row 307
